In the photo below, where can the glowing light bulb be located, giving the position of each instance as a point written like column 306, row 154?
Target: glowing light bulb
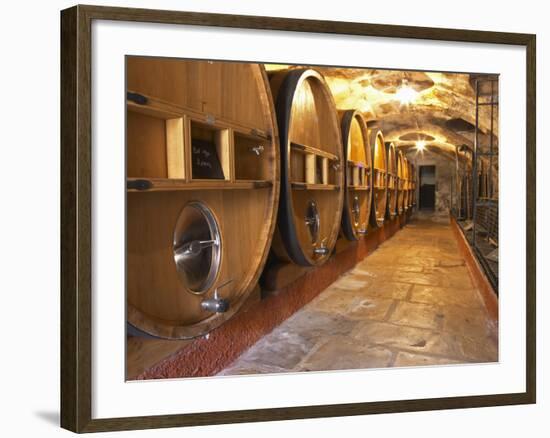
column 420, row 145
column 406, row 94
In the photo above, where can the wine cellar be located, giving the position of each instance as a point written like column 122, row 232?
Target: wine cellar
column 286, row 218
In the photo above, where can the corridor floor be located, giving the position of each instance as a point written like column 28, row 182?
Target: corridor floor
column 409, row 303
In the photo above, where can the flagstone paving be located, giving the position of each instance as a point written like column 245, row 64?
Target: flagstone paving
column 410, row 303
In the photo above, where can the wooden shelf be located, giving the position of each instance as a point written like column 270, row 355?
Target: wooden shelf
column 311, row 150
column 306, row 186
column 155, row 121
column 352, row 187
column 161, row 109
column 168, row 184
column 157, row 109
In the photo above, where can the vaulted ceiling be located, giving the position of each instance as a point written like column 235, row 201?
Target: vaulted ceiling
column 441, row 112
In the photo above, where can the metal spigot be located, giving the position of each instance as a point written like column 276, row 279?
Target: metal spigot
column 356, row 209
column 216, row 304
column 362, row 231
column 258, row 149
column 310, row 221
column 193, row 248
column 336, row 165
column 322, row 249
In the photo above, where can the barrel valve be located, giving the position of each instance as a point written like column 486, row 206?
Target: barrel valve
column 336, row 165
column 356, row 210
column 312, row 220
column 321, row 249
column 216, row 304
column 362, row 231
column 258, row 149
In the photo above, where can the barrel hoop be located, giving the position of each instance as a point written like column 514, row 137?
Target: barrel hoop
column 347, row 227
column 391, row 210
column 132, row 330
column 283, row 106
column 374, row 221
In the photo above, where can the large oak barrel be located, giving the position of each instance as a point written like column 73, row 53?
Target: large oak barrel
column 392, row 180
column 379, row 177
column 358, row 175
column 202, row 191
column 312, row 174
column 401, row 174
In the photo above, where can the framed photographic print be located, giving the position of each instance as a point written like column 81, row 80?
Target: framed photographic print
column 267, row 218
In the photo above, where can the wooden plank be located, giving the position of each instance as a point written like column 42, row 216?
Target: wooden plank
column 311, row 150
column 167, row 184
column 159, row 111
column 175, row 148
column 310, row 169
column 70, row 348
column 143, row 353
column 306, row 186
column 224, row 146
column 355, row 176
column 187, row 148
column 325, row 170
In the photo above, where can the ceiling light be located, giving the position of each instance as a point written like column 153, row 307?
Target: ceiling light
column 405, row 94
column 420, row 145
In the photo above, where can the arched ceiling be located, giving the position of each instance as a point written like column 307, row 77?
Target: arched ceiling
column 442, row 113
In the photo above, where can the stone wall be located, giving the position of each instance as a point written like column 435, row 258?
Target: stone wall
column 444, row 173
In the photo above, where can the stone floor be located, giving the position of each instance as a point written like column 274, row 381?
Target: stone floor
column 409, row 303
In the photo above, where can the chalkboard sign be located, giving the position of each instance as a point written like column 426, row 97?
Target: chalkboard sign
column 205, row 161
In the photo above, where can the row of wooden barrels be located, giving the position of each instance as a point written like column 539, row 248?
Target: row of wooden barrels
column 297, row 175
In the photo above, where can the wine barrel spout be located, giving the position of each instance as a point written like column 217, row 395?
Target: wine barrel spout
column 216, row 304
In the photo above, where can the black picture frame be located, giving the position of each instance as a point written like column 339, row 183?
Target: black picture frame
column 76, row 225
